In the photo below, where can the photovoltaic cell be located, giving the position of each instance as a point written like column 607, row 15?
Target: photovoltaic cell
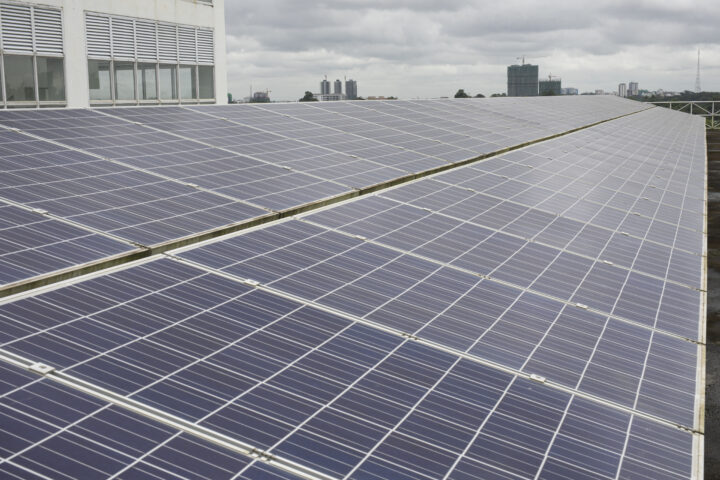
column 492, row 321
column 483, row 269
column 325, row 391
column 34, row 244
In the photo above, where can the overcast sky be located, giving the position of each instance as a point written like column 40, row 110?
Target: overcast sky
column 430, row 48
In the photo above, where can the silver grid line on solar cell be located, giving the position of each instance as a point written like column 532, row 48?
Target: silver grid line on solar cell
column 124, row 164
column 48, row 373
column 430, row 343
column 147, row 261
column 500, row 281
column 304, row 217
column 149, row 126
column 410, row 339
column 441, row 179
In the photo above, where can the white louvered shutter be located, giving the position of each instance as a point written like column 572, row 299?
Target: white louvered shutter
column 16, row 28
column 187, row 45
column 123, row 37
column 205, row 46
column 97, row 28
column 48, row 31
column 146, row 39
column 167, row 43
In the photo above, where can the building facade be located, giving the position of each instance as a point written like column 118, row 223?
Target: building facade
column 351, row 89
column 329, row 97
column 324, row 87
column 80, row 53
column 522, row 80
column 550, row 87
column 633, row 89
column 337, row 87
column 622, row 90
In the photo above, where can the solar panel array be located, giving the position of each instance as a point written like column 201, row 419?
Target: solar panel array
column 533, row 315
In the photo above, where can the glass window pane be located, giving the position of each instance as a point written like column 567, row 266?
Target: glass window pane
column 168, row 82
column 19, row 78
column 207, row 81
column 124, row 81
column 147, row 81
column 187, row 82
column 99, row 77
column 51, row 79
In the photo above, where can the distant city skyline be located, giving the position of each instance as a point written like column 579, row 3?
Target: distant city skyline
column 429, row 48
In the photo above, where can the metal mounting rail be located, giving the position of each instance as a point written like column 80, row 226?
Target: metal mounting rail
column 51, row 373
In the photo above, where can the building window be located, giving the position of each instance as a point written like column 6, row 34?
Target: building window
column 124, row 81
column 168, row 82
column 206, row 79
column 99, row 80
column 188, row 82
column 31, row 60
column 19, row 78
column 151, row 61
column 147, row 81
column 51, row 79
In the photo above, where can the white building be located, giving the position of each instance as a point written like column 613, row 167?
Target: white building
column 622, row 90
column 329, row 97
column 78, row 53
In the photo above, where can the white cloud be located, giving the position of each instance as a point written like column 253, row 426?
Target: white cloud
column 429, row 48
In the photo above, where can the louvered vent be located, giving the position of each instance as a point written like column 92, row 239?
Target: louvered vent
column 123, row 37
column 187, row 44
column 98, row 35
column 48, row 31
column 146, row 39
column 16, row 28
column 167, row 43
column 206, row 46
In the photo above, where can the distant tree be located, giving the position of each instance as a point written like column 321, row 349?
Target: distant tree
column 308, row 97
column 547, row 93
column 494, row 95
column 461, row 94
column 479, row 95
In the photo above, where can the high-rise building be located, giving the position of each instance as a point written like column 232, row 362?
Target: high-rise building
column 522, row 80
column 351, row 89
column 633, row 89
column 551, row 86
column 337, row 87
column 622, row 90
column 325, row 87
column 80, row 53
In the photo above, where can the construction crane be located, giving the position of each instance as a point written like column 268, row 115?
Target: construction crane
column 521, row 58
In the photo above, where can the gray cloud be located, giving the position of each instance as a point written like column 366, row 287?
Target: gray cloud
column 429, row 48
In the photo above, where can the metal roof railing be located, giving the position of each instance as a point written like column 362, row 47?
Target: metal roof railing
column 708, row 109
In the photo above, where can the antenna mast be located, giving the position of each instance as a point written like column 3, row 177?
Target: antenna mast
column 697, row 77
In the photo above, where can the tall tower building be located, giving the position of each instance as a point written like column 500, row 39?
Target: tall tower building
column 351, row 89
column 522, row 80
column 622, row 90
column 633, row 89
column 337, row 88
column 325, row 87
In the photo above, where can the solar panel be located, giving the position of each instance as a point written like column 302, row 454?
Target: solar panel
column 106, row 196
column 534, row 315
column 34, row 244
column 494, row 321
column 322, row 390
column 161, row 156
